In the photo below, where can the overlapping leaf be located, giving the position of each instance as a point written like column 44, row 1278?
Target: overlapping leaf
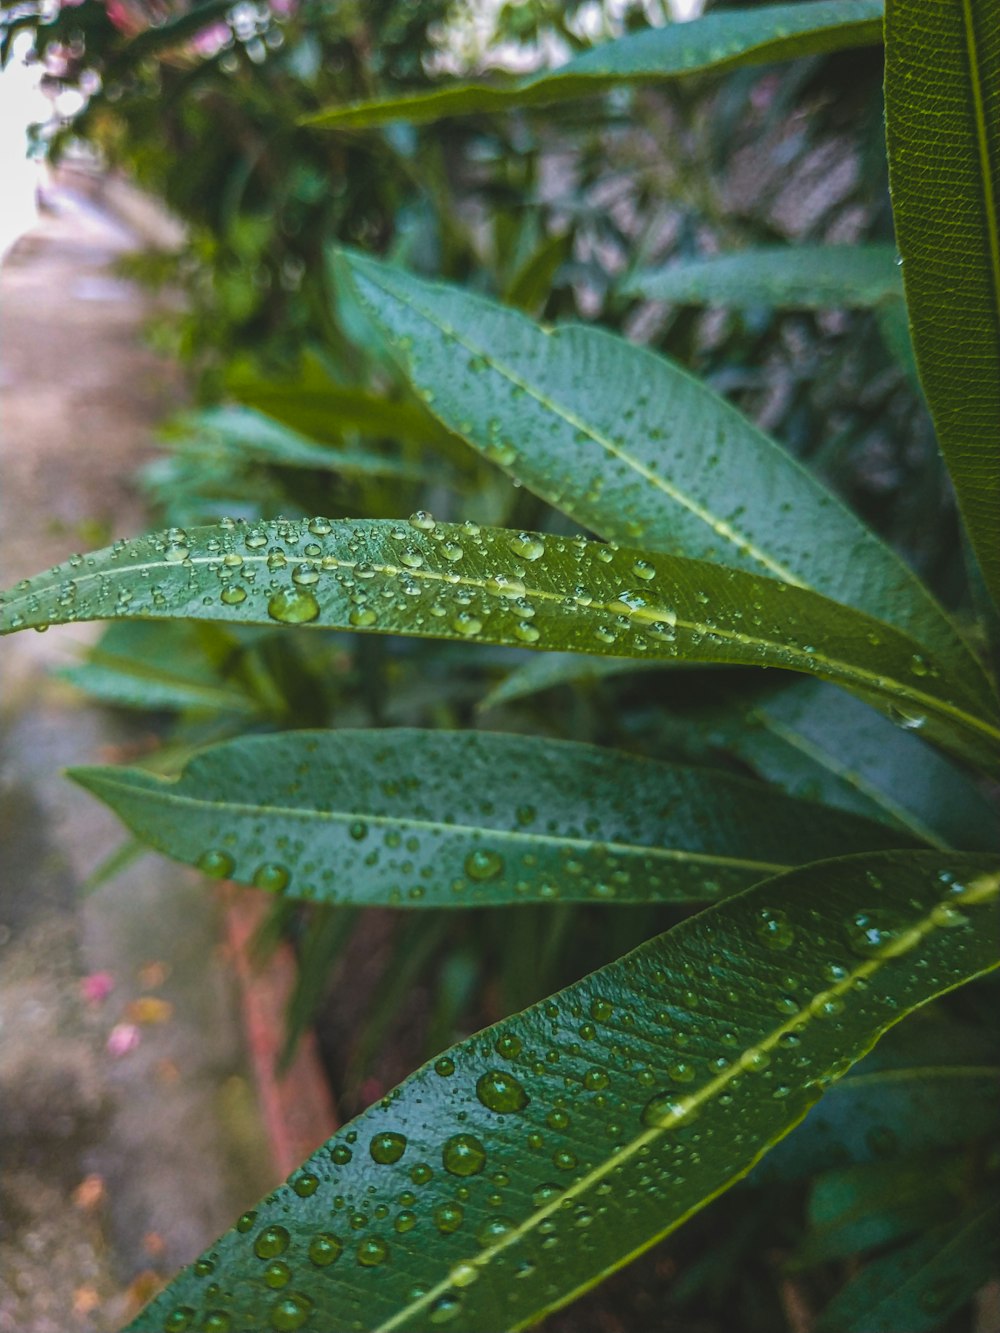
column 462, row 819
column 808, row 739
column 489, row 585
column 635, row 448
column 718, row 42
column 942, row 103
column 593, row 1123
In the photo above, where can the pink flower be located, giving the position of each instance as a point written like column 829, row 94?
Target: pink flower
column 122, row 1038
column 96, row 987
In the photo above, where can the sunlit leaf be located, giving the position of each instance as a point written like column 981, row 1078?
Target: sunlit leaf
column 719, row 41
column 635, row 448
column 800, row 277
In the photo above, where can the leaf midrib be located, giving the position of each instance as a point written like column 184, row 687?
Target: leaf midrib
column 983, row 150
column 164, row 793
column 870, row 680
column 718, row 525
column 982, row 890
column 797, row 741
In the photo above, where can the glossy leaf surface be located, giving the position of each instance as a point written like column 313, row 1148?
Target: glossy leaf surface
column 942, row 102
column 816, row 741
column 497, row 1183
column 489, row 585
column 716, row 42
column 883, row 1109
column 437, row 819
column 802, row 277
column 810, row 740
column 635, row 448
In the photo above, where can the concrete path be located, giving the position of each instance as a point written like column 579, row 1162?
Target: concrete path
column 118, row 1161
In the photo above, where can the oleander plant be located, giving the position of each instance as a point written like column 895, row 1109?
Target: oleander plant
column 842, row 879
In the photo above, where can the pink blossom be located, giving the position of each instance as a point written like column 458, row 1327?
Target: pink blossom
column 284, row 9
column 96, row 987
column 122, row 1038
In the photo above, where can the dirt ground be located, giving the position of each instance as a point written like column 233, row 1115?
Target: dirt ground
column 129, row 1135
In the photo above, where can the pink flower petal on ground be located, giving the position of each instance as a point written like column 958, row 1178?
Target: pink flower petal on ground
column 122, row 1038
column 96, row 987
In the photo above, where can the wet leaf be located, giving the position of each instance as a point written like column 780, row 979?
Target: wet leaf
column 636, row 449
column 716, row 42
column 490, row 585
column 436, row 819
column 490, row 1186
column 942, row 108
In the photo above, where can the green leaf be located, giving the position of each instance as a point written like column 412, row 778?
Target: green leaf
column 636, row 449
column 493, row 1185
column 716, row 42
column 250, row 435
column 819, row 742
column 488, row 585
column 801, row 277
column 877, row 1113
column 462, row 819
column 543, row 673
column 942, row 104
column 137, row 665
column 318, row 407
column 855, row 1208
column 915, row 1289
column 811, row 741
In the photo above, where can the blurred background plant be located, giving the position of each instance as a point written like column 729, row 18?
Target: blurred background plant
column 563, row 212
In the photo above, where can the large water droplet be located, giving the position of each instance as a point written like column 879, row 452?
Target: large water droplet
column 501, row 1092
column 271, row 1242
column 216, row 863
column 372, row 1252
column 667, row 1111
column 483, row 864
column 463, row 1155
column 290, row 1313
column 387, row 1148
column 527, row 546
column 449, row 1217
column 774, row 929
column 325, row 1249
column 271, row 876
column 293, row 607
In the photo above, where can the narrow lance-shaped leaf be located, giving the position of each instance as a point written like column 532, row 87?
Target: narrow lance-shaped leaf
column 801, row 277
column 716, row 42
column 437, row 819
column 810, row 740
column 460, row 581
column 254, row 436
column 942, row 105
column 493, row 1185
column 636, row 449
column 915, row 1289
